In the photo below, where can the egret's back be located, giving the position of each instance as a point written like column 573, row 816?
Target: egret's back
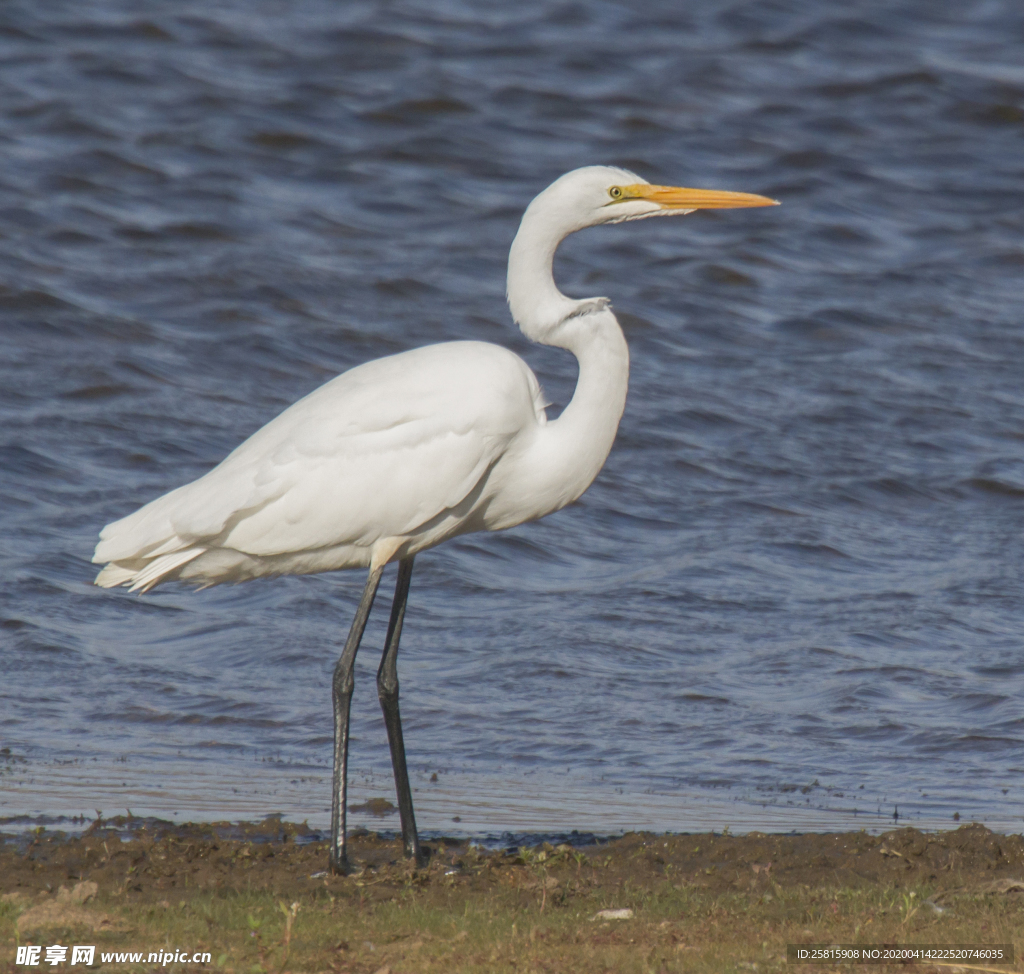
column 390, row 449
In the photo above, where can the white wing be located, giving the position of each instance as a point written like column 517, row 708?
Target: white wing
column 375, row 453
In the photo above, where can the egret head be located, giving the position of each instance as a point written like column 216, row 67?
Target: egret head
column 605, row 194
column 583, row 198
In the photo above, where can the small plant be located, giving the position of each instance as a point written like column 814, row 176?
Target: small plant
column 909, row 907
column 290, row 912
column 254, row 934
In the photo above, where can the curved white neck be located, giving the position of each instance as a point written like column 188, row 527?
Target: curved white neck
column 533, row 297
column 578, row 442
column 537, row 305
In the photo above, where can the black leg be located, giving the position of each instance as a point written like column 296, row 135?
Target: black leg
column 342, row 694
column 387, row 691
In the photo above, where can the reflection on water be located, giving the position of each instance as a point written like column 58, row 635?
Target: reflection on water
column 803, row 561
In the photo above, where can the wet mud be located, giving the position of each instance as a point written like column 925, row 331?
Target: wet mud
column 151, row 860
column 256, row 898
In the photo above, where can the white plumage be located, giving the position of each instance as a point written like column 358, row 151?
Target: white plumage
column 401, row 453
column 400, row 448
column 397, row 455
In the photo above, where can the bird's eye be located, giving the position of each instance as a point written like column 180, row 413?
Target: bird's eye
column 615, row 193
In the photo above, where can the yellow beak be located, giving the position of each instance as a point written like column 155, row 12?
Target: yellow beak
column 679, row 198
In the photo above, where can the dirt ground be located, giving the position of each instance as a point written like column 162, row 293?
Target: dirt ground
column 258, row 898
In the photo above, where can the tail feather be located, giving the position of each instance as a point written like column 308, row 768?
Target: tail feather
column 143, row 577
column 113, row 575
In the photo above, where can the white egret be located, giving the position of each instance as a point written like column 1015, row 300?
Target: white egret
column 402, row 453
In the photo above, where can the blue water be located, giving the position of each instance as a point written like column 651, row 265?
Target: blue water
column 802, row 566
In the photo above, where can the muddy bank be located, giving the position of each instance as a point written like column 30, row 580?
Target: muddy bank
column 149, row 859
column 257, row 898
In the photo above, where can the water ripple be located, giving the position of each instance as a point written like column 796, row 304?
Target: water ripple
column 803, row 561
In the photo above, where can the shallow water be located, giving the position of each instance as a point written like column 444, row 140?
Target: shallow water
column 802, row 565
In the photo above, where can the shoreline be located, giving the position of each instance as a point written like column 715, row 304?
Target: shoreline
column 257, row 896
column 380, row 818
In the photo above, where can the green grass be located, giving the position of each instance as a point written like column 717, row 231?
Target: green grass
column 446, row 927
column 711, row 903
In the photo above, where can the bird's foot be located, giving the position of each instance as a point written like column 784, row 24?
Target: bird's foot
column 421, row 856
column 342, row 866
